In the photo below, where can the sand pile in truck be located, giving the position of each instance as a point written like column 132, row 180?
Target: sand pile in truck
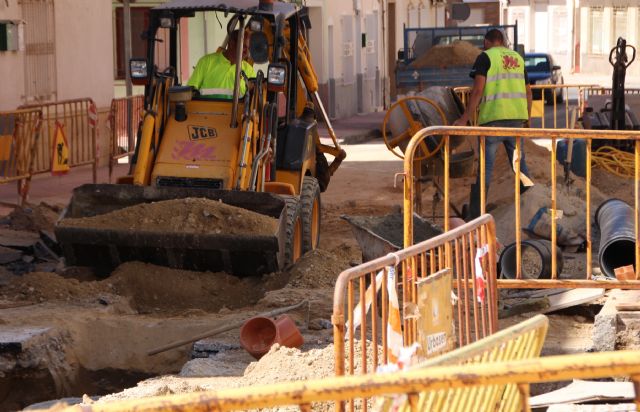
column 459, row 53
column 193, row 215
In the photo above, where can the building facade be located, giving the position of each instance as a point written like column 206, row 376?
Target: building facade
column 60, row 52
column 578, row 33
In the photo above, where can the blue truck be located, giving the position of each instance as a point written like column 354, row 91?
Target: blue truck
column 418, row 41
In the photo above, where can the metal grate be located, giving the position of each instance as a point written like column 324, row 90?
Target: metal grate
column 40, row 62
column 192, row 182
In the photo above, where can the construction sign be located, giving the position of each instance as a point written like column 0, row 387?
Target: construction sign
column 60, row 152
column 435, row 322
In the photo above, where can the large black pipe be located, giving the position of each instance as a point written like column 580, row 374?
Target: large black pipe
column 617, row 236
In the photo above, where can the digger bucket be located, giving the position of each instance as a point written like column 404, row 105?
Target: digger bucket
column 105, row 249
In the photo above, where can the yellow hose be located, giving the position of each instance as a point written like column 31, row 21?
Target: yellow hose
column 614, row 161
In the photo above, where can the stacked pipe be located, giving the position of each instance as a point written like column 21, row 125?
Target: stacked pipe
column 617, row 236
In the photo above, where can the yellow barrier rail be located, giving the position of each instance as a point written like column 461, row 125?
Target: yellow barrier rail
column 125, row 116
column 19, row 134
column 557, row 94
column 475, row 312
column 448, row 378
column 524, row 133
column 79, row 119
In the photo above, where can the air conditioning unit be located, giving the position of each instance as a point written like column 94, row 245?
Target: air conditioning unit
column 438, row 2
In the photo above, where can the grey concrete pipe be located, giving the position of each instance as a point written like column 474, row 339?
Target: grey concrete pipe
column 540, row 261
column 617, row 235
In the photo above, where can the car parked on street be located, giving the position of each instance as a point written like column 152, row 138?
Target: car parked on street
column 542, row 70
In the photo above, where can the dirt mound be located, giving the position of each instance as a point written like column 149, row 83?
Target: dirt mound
column 148, row 288
column 316, row 269
column 153, row 288
column 569, row 199
column 194, row 215
column 45, row 286
column 459, row 53
column 33, row 217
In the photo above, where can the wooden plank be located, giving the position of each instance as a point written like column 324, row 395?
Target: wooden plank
column 584, row 391
column 628, row 307
column 18, row 238
column 573, row 297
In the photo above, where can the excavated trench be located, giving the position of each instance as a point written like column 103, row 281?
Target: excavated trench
column 67, row 338
column 92, row 351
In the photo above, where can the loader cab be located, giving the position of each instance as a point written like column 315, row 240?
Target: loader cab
column 211, row 138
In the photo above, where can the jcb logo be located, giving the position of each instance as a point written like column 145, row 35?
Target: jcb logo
column 510, row 63
column 202, row 132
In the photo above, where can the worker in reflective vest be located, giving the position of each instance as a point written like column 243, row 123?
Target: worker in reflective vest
column 502, row 93
column 215, row 73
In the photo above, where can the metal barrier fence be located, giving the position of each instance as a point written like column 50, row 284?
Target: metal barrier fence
column 469, row 379
column 475, row 311
column 542, row 94
column 19, row 134
column 79, row 118
column 125, row 116
column 521, row 341
column 523, row 133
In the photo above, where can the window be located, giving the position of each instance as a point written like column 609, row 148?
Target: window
column 537, row 64
column 560, row 32
column 40, row 53
column 619, row 23
column 517, row 14
column 596, row 34
column 139, row 23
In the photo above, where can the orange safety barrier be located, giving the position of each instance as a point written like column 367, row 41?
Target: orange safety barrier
column 468, row 251
column 124, row 118
column 79, row 119
column 549, row 97
column 19, row 134
column 410, row 192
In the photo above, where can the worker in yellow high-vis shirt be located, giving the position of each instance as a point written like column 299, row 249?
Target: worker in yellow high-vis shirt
column 501, row 89
column 215, row 73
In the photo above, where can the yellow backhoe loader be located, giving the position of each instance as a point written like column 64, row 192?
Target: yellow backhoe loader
column 259, row 150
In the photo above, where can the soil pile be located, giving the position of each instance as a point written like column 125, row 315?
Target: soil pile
column 531, row 263
column 149, row 289
column 46, row 286
column 152, row 288
column 281, row 364
column 33, row 218
column 190, row 215
column 569, row 199
column 459, row 53
column 316, row 269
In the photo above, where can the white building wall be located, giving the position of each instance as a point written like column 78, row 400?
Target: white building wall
column 84, row 64
column 544, row 27
column 11, row 64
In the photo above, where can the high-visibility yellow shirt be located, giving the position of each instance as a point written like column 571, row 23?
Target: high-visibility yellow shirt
column 505, row 91
column 214, row 75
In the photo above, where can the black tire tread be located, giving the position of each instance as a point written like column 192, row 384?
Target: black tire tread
column 310, row 190
column 293, row 214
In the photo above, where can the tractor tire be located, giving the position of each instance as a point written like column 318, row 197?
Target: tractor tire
column 311, row 210
column 293, row 231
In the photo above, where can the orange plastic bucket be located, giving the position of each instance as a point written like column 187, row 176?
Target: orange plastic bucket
column 258, row 334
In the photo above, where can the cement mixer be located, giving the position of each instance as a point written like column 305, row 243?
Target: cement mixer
column 434, row 106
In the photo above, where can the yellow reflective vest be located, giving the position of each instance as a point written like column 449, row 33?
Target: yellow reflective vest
column 214, row 75
column 505, row 92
